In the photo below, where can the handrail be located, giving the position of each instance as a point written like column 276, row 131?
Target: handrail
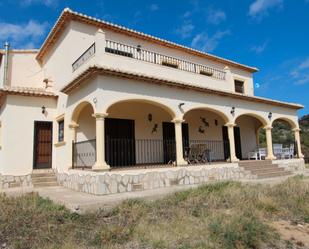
column 165, row 60
column 84, row 57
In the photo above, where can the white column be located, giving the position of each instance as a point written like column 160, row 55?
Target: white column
column 73, row 128
column 100, row 44
column 230, row 131
column 298, row 144
column 179, row 144
column 100, row 163
column 269, row 141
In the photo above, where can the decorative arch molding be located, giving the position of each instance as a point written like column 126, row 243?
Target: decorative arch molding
column 264, row 121
column 291, row 122
column 77, row 110
column 210, row 109
column 169, row 110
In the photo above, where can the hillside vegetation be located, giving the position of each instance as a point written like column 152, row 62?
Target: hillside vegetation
column 221, row 215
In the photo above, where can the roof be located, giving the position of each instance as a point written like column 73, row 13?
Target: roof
column 68, row 15
column 27, row 91
column 32, row 51
column 95, row 70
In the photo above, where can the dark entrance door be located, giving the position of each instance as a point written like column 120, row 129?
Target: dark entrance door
column 43, row 138
column 226, row 144
column 237, row 142
column 120, row 142
column 169, row 144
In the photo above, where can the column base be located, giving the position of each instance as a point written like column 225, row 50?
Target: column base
column 234, row 160
column 270, row 158
column 301, row 156
column 182, row 163
column 101, row 167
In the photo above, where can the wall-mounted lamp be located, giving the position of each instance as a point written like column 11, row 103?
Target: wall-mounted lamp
column 180, row 105
column 233, row 110
column 270, row 115
column 43, row 109
column 149, row 117
column 138, row 48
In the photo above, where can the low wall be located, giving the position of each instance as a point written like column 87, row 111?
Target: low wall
column 292, row 165
column 104, row 183
column 9, row 181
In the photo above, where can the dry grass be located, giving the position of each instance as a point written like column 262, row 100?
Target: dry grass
column 222, row 215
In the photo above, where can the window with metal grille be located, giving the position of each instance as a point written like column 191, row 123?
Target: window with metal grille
column 239, row 86
column 61, row 130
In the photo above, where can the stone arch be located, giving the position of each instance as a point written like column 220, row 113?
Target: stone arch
column 169, row 110
column 291, row 122
column 263, row 121
column 210, row 109
column 78, row 109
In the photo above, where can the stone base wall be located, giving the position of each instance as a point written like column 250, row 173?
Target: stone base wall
column 138, row 180
column 292, row 165
column 8, row 181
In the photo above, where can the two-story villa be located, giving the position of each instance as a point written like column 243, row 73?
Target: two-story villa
column 98, row 96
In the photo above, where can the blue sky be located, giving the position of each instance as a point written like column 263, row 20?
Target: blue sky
column 272, row 35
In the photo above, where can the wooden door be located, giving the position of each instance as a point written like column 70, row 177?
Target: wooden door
column 43, row 138
column 120, row 142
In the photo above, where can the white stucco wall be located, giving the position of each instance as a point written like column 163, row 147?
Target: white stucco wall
column 18, row 132
column 24, row 70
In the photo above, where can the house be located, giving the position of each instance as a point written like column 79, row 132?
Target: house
column 97, row 97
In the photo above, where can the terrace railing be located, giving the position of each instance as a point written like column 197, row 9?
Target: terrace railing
column 84, row 154
column 205, row 151
column 164, row 60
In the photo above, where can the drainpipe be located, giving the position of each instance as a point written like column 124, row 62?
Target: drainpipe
column 6, row 63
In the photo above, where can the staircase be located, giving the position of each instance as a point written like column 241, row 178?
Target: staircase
column 44, row 178
column 264, row 169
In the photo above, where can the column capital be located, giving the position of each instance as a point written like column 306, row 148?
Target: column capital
column 73, row 126
column 178, row 120
column 99, row 115
column 296, row 129
column 267, row 127
column 230, row 125
column 100, row 31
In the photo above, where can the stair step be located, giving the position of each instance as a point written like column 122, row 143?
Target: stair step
column 262, row 171
column 45, row 184
column 269, row 175
column 261, row 167
column 39, row 175
column 44, row 179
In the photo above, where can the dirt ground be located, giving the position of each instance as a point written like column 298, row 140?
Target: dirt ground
column 295, row 233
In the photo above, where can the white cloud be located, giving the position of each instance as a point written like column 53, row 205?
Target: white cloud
column 185, row 30
column 216, row 16
column 154, row 7
column 22, row 34
column 261, row 7
column 259, row 48
column 48, row 3
column 206, row 43
column 300, row 73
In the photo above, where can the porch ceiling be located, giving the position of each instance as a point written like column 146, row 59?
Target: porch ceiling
column 96, row 70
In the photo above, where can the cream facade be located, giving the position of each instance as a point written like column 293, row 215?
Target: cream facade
column 99, row 96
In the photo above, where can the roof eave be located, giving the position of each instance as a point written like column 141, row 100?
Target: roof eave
column 91, row 71
column 68, row 14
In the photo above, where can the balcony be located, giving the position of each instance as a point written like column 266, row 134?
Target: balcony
column 138, row 53
column 148, row 56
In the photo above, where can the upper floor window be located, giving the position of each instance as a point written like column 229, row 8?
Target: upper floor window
column 239, row 86
column 61, row 130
